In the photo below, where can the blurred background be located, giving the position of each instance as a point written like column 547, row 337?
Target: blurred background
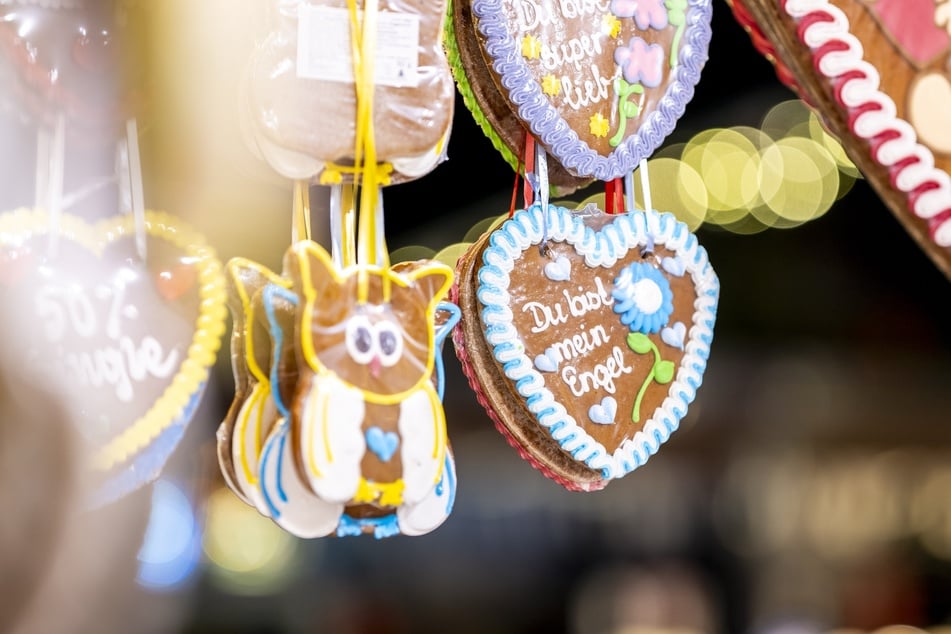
column 807, row 491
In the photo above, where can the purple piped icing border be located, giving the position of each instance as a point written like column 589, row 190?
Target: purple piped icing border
column 550, row 127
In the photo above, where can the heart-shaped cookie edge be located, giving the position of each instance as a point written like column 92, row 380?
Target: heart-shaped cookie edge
column 549, row 126
column 599, row 248
column 170, row 409
column 931, row 229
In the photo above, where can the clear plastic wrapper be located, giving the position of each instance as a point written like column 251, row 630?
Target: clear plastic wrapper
column 301, row 99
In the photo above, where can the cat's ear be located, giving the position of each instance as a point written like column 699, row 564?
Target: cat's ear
column 432, row 280
column 311, row 269
column 244, row 279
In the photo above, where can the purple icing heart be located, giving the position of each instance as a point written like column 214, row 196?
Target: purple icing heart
column 597, row 90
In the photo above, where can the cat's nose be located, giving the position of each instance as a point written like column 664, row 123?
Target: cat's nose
column 376, row 366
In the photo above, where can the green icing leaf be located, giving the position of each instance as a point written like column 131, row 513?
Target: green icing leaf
column 664, row 372
column 639, row 343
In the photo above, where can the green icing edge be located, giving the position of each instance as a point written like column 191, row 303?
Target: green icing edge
column 468, row 97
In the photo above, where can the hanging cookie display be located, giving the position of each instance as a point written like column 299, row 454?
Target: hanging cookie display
column 337, row 425
column 600, row 84
column 878, row 72
column 489, row 107
column 586, row 335
column 301, row 93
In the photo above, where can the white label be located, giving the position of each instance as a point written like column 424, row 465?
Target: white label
column 323, row 46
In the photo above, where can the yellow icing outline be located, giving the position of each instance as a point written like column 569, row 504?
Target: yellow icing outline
column 233, row 267
column 256, row 402
column 305, row 249
column 21, row 224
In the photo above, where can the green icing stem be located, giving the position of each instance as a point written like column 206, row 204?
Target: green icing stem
column 675, row 45
column 651, row 376
column 626, row 109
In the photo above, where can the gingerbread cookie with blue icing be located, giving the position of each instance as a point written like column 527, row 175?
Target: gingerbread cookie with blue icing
column 586, row 335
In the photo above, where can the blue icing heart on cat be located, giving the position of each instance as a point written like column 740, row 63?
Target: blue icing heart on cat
column 674, row 335
column 603, row 413
column 382, row 443
column 558, row 270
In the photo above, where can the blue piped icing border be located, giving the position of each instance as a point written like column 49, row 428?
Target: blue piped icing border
column 548, row 124
column 601, row 248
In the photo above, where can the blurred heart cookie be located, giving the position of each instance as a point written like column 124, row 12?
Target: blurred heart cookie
column 879, row 74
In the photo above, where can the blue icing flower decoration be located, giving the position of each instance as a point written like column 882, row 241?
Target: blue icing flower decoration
column 643, row 298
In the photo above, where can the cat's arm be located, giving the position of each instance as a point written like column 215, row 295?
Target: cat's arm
column 332, row 440
column 422, row 426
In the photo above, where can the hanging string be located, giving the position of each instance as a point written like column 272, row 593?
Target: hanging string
column 518, row 176
column 135, row 188
column 541, row 165
column 300, row 223
column 371, row 247
column 613, row 198
column 645, row 185
column 53, row 179
column 629, row 190
column 41, row 193
column 530, row 182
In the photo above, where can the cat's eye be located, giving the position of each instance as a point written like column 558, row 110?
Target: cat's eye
column 359, row 340
column 391, row 343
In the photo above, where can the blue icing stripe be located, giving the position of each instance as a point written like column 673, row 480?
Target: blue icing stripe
column 383, row 527
column 268, row 295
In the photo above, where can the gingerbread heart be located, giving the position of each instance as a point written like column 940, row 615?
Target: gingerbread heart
column 488, row 106
column 879, row 74
column 600, row 83
column 586, row 335
column 131, row 361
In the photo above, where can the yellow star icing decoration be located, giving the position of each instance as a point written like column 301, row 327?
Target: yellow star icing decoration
column 598, row 125
column 550, row 85
column 610, row 24
column 531, row 47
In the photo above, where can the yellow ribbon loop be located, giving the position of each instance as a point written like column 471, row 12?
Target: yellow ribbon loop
column 300, row 229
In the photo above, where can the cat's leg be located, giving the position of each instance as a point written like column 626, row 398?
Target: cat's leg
column 290, row 502
column 428, row 514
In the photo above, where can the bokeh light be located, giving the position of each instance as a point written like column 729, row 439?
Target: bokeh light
column 249, row 554
column 171, row 547
column 742, row 179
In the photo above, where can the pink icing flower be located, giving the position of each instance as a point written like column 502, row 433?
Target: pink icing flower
column 641, row 62
column 646, row 13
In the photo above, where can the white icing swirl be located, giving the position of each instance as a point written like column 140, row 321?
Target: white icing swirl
column 878, row 116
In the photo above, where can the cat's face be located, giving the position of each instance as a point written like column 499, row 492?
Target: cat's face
column 381, row 347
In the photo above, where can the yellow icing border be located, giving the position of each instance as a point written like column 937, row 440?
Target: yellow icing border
column 304, row 249
column 19, row 225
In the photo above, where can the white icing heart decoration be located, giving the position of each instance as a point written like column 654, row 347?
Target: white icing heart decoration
column 559, row 270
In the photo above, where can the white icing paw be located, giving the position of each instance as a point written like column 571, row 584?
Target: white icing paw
column 432, row 511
